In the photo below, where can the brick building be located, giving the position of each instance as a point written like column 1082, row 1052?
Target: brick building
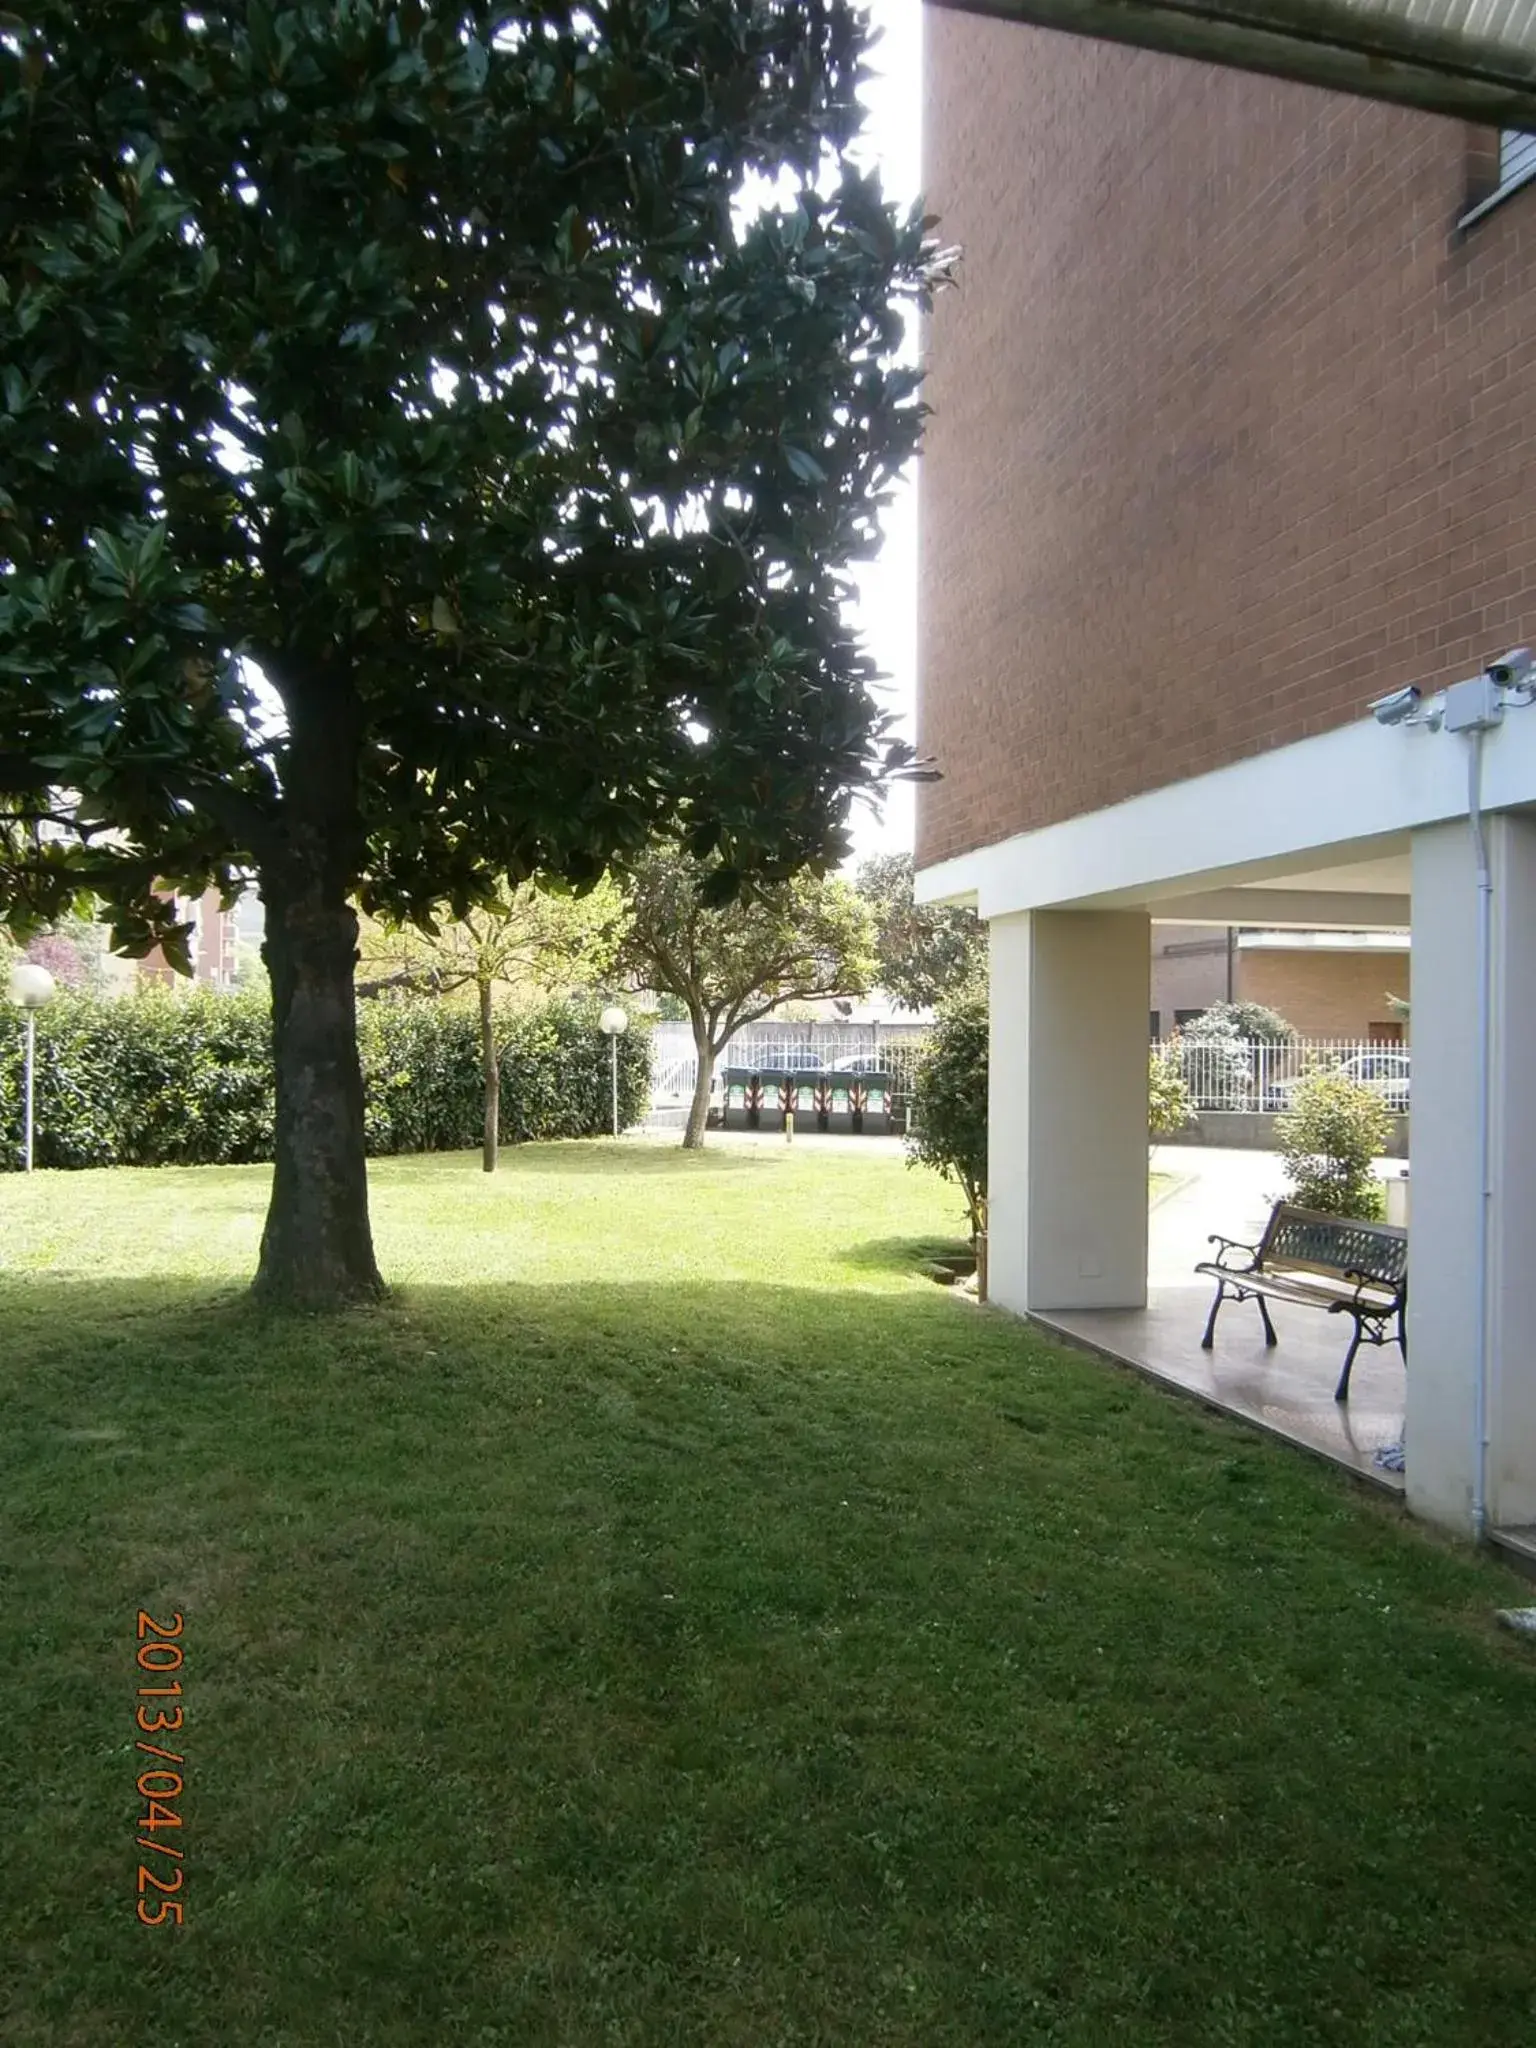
column 1234, row 432
column 213, row 946
column 1325, row 984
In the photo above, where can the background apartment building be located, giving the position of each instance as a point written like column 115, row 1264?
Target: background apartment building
column 1234, row 432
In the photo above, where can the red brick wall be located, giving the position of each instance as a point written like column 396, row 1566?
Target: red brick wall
column 1232, row 429
column 1324, row 994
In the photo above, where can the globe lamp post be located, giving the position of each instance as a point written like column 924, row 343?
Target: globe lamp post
column 614, row 1022
column 31, row 987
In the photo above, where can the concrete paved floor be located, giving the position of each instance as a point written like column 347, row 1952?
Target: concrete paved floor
column 1289, row 1389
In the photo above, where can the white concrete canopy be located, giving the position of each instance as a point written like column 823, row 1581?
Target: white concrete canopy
column 1360, row 829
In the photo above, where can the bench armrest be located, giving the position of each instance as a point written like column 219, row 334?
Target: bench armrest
column 1396, row 1288
column 1226, row 1255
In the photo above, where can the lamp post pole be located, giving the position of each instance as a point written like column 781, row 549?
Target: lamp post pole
column 613, row 1023
column 31, row 987
column 27, row 1127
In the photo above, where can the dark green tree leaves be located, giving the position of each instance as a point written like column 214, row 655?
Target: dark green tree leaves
column 427, row 460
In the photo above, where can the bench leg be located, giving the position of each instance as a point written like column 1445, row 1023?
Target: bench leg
column 1341, row 1392
column 1209, row 1339
column 1402, row 1334
column 1269, row 1328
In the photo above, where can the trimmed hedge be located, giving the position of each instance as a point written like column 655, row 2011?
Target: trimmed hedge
column 167, row 1080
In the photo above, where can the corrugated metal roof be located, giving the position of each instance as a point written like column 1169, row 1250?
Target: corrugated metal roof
column 1471, row 59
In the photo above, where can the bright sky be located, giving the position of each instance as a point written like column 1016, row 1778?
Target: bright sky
column 887, row 608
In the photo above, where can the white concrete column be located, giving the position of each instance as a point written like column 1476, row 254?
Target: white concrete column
column 1443, row 1272
column 1067, row 1124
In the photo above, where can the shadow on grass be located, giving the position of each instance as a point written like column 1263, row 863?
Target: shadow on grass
column 905, row 1254
column 877, row 1628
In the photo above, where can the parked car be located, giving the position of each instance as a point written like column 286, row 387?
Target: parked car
column 1385, row 1073
column 797, row 1059
column 861, row 1063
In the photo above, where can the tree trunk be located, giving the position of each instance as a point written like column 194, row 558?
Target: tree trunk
column 317, row 1248
column 490, row 1069
column 698, row 1109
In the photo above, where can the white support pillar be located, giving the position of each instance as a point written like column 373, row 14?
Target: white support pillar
column 1443, row 1272
column 1067, row 1124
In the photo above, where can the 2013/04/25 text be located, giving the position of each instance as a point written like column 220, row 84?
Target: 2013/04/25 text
column 160, row 1788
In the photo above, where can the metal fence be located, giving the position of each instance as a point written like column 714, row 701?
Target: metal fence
column 674, row 1064
column 1249, row 1074
column 1222, row 1073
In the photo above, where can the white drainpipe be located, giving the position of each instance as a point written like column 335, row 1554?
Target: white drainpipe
column 1482, row 1362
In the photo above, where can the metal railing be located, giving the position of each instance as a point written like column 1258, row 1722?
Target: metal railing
column 1251, row 1074
column 674, row 1064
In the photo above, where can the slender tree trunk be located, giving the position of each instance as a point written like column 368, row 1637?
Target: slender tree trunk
column 698, row 1109
column 317, row 1248
column 490, row 1069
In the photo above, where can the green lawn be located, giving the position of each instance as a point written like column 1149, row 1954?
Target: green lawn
column 670, row 1621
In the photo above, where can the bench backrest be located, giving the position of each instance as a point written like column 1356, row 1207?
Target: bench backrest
column 1307, row 1241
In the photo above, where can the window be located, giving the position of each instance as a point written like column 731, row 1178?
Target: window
column 1517, row 158
column 1183, row 1017
column 1156, row 1031
column 1517, row 167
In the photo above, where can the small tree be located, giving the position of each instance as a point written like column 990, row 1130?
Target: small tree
column 529, row 934
column 1217, row 1064
column 790, row 941
column 1254, row 1021
column 1169, row 1104
column 923, row 951
column 950, row 1099
column 1328, row 1138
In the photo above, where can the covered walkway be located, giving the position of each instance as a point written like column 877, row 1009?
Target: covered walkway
column 1288, row 1390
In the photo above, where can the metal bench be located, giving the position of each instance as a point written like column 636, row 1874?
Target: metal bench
column 1335, row 1263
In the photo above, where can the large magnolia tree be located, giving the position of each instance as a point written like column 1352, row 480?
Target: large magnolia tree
column 431, row 443
column 794, row 940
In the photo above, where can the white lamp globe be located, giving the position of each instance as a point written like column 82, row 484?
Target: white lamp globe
column 613, row 1020
column 31, row 985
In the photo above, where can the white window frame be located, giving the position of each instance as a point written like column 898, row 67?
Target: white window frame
column 1517, row 167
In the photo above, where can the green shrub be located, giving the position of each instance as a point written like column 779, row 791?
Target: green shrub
column 1255, row 1021
column 160, row 1079
column 1169, row 1103
column 1215, row 1063
column 949, row 1099
column 1328, row 1138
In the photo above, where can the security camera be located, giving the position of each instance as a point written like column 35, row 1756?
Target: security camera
column 1398, row 706
column 1513, row 671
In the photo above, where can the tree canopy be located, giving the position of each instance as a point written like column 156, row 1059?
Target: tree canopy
column 789, row 941
column 924, row 951
column 431, row 443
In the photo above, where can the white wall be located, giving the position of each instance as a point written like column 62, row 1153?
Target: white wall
column 1443, row 1277
column 1067, row 1137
